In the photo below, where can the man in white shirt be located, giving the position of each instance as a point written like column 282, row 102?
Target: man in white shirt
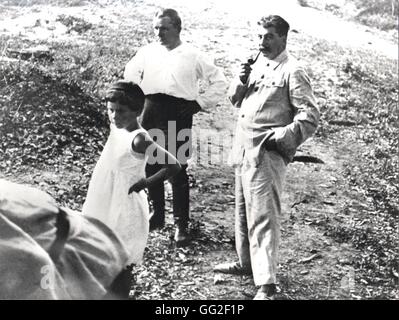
column 169, row 72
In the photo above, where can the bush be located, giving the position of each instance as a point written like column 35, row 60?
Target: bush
column 377, row 7
column 381, row 14
column 383, row 22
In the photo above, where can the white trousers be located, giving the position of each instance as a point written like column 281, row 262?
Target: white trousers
column 258, row 213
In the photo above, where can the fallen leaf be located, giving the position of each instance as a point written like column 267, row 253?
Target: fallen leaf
column 308, row 259
column 218, row 278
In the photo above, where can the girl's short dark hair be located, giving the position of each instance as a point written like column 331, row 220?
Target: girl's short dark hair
column 127, row 93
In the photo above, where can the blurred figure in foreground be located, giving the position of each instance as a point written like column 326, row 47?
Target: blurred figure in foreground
column 49, row 252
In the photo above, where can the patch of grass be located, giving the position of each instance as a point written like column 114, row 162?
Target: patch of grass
column 303, row 3
column 61, row 3
column 377, row 7
column 378, row 262
column 78, row 25
column 379, row 21
column 360, row 86
column 380, row 14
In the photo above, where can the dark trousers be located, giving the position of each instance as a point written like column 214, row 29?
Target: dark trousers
column 164, row 112
column 181, row 196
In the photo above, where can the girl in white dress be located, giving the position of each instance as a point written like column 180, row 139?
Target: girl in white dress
column 115, row 195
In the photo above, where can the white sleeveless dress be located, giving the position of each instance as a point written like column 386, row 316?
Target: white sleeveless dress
column 118, row 168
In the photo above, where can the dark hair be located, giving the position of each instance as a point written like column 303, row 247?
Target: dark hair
column 277, row 22
column 127, row 93
column 172, row 15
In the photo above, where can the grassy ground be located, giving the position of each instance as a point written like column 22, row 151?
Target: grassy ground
column 380, row 14
column 340, row 223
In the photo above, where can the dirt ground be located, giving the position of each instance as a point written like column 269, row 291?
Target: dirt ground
column 318, row 199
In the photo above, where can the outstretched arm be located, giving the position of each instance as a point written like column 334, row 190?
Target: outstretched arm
column 144, row 144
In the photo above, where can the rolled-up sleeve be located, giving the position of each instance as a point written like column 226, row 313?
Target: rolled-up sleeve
column 306, row 117
column 216, row 83
column 134, row 68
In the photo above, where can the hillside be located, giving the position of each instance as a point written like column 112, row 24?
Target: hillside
column 339, row 230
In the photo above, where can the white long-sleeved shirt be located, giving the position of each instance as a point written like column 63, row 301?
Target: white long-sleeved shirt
column 177, row 72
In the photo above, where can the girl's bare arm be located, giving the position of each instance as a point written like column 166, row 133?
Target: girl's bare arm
column 170, row 166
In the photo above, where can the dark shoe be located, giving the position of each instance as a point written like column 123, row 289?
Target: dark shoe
column 232, row 268
column 156, row 225
column 181, row 237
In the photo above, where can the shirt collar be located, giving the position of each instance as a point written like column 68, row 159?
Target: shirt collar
column 274, row 63
column 163, row 48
